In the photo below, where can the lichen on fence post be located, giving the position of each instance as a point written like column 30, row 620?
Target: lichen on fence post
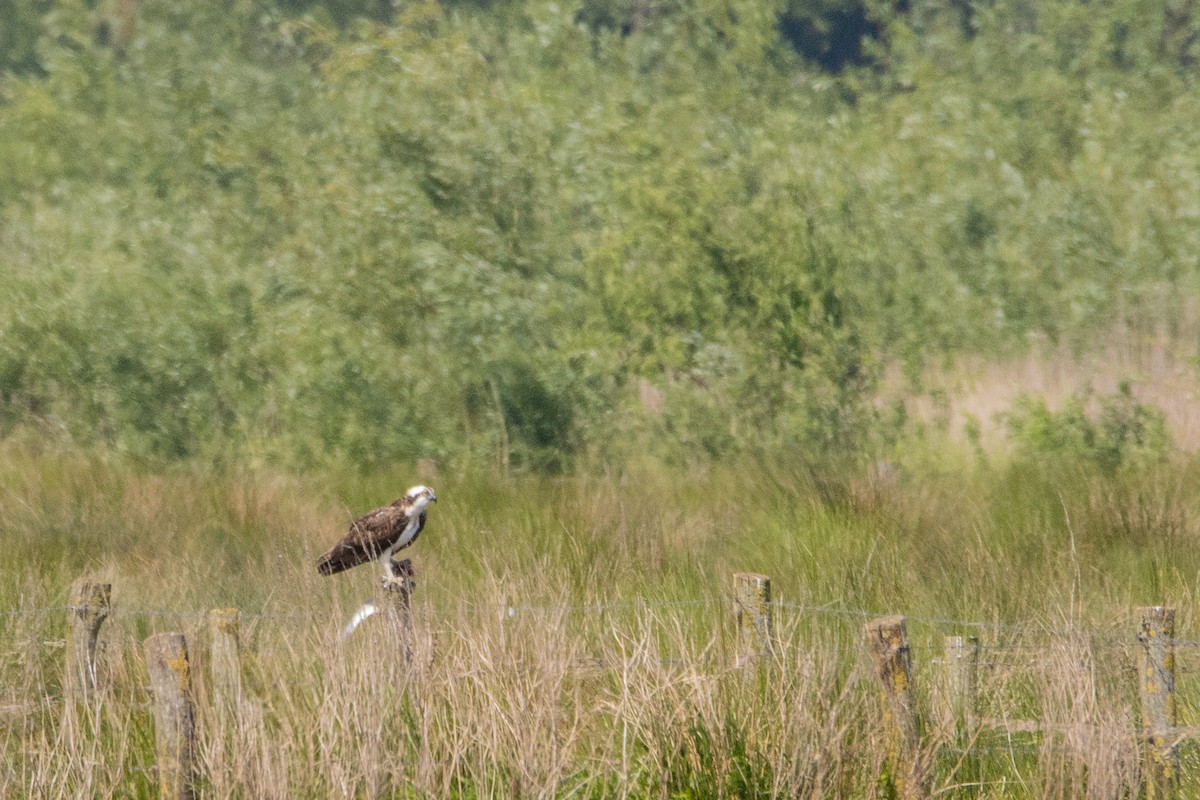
column 754, row 616
column 174, row 714
column 89, row 607
column 887, row 640
column 1156, row 685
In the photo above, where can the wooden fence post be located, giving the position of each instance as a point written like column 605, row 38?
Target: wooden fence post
column 1156, row 684
column 887, row 640
column 174, row 715
column 225, row 668
column 961, row 682
column 90, row 605
column 396, row 603
column 755, row 618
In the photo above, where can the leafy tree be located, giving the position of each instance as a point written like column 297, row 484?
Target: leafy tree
column 550, row 235
column 20, row 27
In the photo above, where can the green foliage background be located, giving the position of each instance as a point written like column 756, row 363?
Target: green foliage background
column 554, row 234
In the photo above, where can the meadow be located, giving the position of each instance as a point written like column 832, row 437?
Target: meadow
column 574, row 637
column 894, row 303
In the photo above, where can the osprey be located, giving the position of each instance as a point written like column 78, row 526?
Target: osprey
column 379, row 534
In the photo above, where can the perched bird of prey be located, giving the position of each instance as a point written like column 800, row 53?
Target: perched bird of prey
column 379, row 534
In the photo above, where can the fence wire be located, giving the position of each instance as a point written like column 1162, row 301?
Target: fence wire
column 1011, row 636
column 1012, row 651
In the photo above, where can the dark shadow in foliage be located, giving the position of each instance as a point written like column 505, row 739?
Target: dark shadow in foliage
column 538, row 423
column 20, row 27
column 830, row 33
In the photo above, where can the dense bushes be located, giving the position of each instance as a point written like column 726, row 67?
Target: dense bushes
column 1107, row 432
column 530, row 234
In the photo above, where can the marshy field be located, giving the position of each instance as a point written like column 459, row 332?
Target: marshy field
column 896, row 304
column 576, row 637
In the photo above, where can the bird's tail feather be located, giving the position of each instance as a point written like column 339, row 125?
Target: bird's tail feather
column 329, row 564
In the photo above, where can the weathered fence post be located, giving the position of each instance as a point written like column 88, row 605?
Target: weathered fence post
column 888, row 641
column 755, row 618
column 396, row 603
column 225, row 668
column 961, row 682
column 1156, row 684
column 90, row 605
column 174, row 716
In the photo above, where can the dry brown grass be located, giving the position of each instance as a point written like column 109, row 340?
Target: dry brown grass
column 1163, row 370
column 537, row 704
column 567, row 702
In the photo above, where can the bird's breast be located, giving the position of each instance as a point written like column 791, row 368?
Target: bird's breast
column 410, row 530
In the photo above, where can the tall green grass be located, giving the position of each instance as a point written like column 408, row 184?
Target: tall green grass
column 573, row 637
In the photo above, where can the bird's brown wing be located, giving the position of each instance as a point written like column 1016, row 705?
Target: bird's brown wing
column 369, row 536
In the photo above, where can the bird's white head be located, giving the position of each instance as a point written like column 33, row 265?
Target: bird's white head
column 419, row 497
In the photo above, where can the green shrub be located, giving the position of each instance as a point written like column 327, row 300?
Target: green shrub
column 1108, row 431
